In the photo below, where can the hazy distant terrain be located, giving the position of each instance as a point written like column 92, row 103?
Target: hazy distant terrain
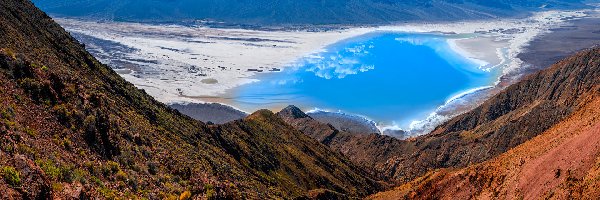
column 281, row 12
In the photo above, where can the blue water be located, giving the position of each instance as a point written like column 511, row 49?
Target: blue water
column 391, row 78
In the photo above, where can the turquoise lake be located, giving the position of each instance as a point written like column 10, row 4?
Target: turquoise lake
column 389, row 77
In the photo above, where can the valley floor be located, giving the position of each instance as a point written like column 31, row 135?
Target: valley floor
column 182, row 64
column 199, row 64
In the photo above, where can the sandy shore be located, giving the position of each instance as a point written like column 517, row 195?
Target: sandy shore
column 198, row 64
column 483, row 50
column 190, row 64
column 177, row 62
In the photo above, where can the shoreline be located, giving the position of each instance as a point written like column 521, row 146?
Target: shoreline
column 475, row 96
column 507, row 46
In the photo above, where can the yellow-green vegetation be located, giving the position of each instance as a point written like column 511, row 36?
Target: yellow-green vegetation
column 121, row 175
column 10, row 53
column 49, row 168
column 24, row 149
column 209, row 191
column 67, row 144
column 31, row 132
column 107, row 193
column 7, row 113
column 57, row 187
column 11, row 176
column 185, row 195
column 113, row 166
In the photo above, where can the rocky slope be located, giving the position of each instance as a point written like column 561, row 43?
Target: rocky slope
column 514, row 116
column 563, row 162
column 70, row 127
column 366, row 149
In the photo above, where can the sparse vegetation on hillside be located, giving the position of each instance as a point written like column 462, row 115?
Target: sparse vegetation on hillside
column 69, row 123
column 11, row 176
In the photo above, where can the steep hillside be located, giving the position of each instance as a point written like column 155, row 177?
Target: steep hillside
column 514, row 116
column 70, row 127
column 563, row 162
column 367, row 149
column 285, row 12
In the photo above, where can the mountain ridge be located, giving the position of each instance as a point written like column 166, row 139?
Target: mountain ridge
column 70, row 127
column 289, row 12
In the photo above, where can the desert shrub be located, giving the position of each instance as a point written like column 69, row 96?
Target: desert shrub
column 31, row 132
column 97, row 181
column 8, row 148
column 92, row 168
column 209, row 191
column 66, row 174
column 80, row 175
column 57, row 187
column 153, row 168
column 10, row 53
column 113, row 166
column 11, row 176
column 39, row 91
column 7, row 113
column 64, row 115
column 67, row 144
column 107, row 193
column 121, row 175
column 50, row 169
column 185, row 195
column 24, row 149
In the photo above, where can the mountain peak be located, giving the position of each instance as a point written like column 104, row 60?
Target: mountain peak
column 292, row 112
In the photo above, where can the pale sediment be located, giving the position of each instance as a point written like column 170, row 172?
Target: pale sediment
column 173, row 63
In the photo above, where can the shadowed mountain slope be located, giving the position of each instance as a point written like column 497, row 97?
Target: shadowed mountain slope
column 512, row 117
column 71, row 127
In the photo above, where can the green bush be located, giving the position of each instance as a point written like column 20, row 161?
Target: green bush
column 121, row 175
column 209, row 191
column 50, row 169
column 11, row 176
column 113, row 166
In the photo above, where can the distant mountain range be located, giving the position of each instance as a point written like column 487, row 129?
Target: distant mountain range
column 301, row 12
